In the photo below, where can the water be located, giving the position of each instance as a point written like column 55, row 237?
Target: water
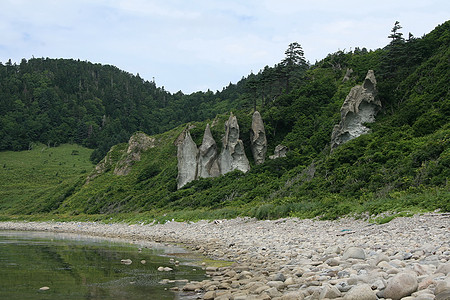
column 77, row 267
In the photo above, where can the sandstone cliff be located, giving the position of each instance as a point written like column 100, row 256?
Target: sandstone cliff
column 233, row 155
column 258, row 139
column 360, row 106
column 208, row 165
column 187, row 159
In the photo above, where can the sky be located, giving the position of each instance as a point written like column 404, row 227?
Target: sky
column 203, row 44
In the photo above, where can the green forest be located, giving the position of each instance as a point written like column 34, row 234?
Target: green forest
column 91, row 110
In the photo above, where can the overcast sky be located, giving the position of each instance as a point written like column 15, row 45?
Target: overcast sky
column 203, row 44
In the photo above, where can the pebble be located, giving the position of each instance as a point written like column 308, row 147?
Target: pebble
column 301, row 259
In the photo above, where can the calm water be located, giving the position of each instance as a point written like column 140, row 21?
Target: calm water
column 76, row 267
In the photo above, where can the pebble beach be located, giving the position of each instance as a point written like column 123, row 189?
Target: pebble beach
column 407, row 258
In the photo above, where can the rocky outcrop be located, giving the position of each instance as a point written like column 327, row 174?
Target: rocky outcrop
column 208, row 165
column 280, row 151
column 258, row 139
column 233, row 155
column 187, row 159
column 347, row 75
column 138, row 143
column 360, row 106
column 106, row 164
column 204, row 162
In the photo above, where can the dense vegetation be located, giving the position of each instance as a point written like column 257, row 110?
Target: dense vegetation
column 403, row 164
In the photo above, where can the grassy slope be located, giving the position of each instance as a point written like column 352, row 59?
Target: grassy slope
column 29, row 180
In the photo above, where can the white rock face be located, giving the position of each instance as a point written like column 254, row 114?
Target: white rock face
column 359, row 107
column 208, row 165
column 280, row 151
column 187, row 159
column 258, row 139
column 233, row 155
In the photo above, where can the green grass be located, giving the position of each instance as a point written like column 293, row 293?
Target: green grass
column 38, row 174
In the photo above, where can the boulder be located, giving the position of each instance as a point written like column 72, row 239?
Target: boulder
column 360, row 106
column 280, row 151
column 401, row 285
column 187, row 159
column 233, row 155
column 258, row 139
column 361, row 292
column 354, row 252
column 208, row 165
column 329, row 292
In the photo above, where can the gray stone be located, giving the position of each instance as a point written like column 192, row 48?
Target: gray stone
column 444, row 268
column 258, row 139
column 273, row 292
column 294, row 295
column 233, row 155
column 360, row 292
column 187, row 159
column 209, row 295
column 208, row 165
column 401, row 285
column 329, row 292
column 359, row 107
column 354, row 252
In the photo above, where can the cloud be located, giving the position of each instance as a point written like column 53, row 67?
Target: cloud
column 201, row 44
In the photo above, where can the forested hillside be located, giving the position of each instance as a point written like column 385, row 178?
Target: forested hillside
column 56, row 101
column 402, row 164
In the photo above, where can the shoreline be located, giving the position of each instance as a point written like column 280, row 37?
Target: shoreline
column 300, row 259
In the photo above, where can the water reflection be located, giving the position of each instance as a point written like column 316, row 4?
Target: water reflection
column 76, row 267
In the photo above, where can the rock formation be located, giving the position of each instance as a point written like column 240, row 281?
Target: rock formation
column 258, row 139
column 205, row 162
column 208, row 165
column 187, row 159
column 106, row 164
column 280, row 151
column 359, row 107
column 347, row 75
column 233, row 155
column 138, row 143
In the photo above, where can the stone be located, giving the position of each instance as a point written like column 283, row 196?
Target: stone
column 279, row 285
column 258, row 139
column 379, row 258
column 361, row 292
column 360, row 106
column 401, row 285
column 233, row 155
column 329, row 292
column 126, row 261
column 187, row 159
column 209, row 295
column 273, row 292
column 444, row 268
column 190, row 287
column 208, row 164
column 138, row 143
column 354, row 252
column 279, row 152
column 294, row 295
